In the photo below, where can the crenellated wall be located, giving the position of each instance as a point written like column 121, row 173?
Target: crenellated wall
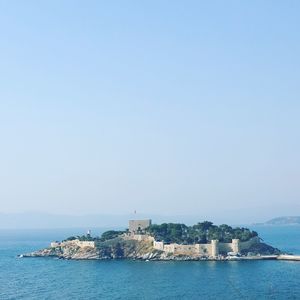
column 225, row 247
column 138, row 237
column 204, row 249
column 81, row 244
column 178, row 249
column 213, row 249
column 158, row 245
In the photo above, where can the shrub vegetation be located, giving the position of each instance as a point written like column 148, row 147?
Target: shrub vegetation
column 199, row 233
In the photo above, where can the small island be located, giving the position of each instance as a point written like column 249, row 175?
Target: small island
column 168, row 241
column 291, row 220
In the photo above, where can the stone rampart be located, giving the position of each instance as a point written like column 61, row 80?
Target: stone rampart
column 158, row 245
column 80, row 244
column 83, row 244
column 225, row 247
column 178, row 249
column 185, row 249
column 213, row 249
column 169, row 248
column 138, row 237
column 204, row 249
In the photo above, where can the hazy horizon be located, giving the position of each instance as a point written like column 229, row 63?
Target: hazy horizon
column 172, row 109
column 39, row 220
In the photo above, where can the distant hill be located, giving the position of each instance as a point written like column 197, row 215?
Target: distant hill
column 284, row 221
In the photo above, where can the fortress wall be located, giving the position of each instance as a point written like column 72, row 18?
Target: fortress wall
column 158, row 245
column 212, row 249
column 203, row 249
column 185, row 249
column 169, row 248
column 83, row 244
column 237, row 246
column 177, row 249
column 141, row 237
column 77, row 243
column 225, row 247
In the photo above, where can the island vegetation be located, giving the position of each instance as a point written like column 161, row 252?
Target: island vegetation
column 202, row 232
column 105, row 236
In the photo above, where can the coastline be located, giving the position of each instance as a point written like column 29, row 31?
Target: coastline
column 285, row 257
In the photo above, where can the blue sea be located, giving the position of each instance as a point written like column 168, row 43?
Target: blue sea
column 48, row 278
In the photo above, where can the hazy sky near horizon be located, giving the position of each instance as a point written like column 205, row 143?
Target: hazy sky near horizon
column 172, row 107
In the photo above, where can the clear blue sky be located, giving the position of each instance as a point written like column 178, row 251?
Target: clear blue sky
column 173, row 107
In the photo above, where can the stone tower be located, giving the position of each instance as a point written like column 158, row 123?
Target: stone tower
column 235, row 245
column 214, row 248
column 137, row 226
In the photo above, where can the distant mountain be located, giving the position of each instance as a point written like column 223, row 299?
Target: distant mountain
column 284, row 220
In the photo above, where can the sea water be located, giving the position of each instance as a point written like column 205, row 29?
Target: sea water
column 49, row 278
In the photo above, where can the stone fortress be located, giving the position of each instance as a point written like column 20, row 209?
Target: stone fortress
column 138, row 227
column 137, row 231
column 136, row 243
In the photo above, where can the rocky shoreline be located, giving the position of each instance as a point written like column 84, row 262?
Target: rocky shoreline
column 94, row 255
column 166, row 242
column 121, row 248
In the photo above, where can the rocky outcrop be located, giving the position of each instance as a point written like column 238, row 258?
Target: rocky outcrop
column 116, row 248
column 261, row 249
column 67, row 251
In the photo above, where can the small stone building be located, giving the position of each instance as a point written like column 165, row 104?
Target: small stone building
column 136, row 226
